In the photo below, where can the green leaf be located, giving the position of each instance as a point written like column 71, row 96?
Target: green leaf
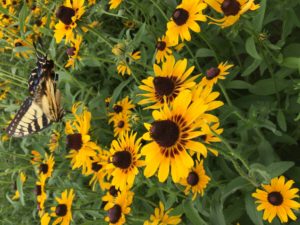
column 281, row 120
column 251, row 48
column 238, row 84
column 192, row 214
column 278, row 168
column 268, row 87
column 292, row 63
column 259, row 18
column 118, row 91
column 253, row 66
column 20, row 189
column 22, row 18
column 204, row 52
column 140, row 35
column 234, row 185
column 254, row 215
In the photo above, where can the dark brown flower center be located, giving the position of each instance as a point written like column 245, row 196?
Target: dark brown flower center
column 275, row 198
column 118, row 108
column 203, row 137
column 38, row 23
column 38, row 190
column 65, row 14
column 121, row 124
column 96, row 167
column 61, row 210
column 74, row 141
column 230, row 7
column 115, row 213
column 212, row 73
column 113, row 191
column 192, row 178
column 180, row 16
column 122, row 159
column 71, row 51
column 163, row 86
column 18, row 44
column 161, row 45
column 164, row 132
column 44, row 168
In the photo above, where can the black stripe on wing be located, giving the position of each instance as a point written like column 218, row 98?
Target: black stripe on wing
column 33, row 81
column 29, row 119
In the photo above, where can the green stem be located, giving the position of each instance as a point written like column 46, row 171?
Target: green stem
column 104, row 39
column 209, row 46
column 160, row 10
column 194, row 58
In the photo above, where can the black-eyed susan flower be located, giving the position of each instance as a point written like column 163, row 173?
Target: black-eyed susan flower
column 184, row 18
column 25, row 50
column 99, row 170
column 73, row 51
column 196, row 180
column 161, row 217
column 118, row 49
column 170, row 79
column 123, row 66
column 277, row 199
column 213, row 74
column 231, row 9
column 4, row 90
column 82, row 149
column 113, row 4
column 171, row 135
column 38, row 24
column 63, row 211
column 23, row 179
column 118, row 208
column 121, row 124
column 45, row 219
column 46, row 167
column 68, row 14
column 123, row 106
column 54, row 141
column 163, row 49
column 111, row 193
column 124, row 160
column 40, row 193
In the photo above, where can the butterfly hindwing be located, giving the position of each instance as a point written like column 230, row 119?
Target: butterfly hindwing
column 29, row 119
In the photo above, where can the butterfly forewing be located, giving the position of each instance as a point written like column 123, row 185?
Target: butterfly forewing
column 29, row 119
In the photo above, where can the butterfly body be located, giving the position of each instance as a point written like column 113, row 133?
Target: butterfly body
column 43, row 106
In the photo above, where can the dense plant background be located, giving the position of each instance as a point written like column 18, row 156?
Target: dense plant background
column 260, row 116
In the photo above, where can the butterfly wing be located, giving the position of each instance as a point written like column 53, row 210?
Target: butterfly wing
column 29, row 119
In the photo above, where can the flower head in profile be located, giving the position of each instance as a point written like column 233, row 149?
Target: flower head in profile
column 170, row 79
column 171, row 135
column 82, row 149
column 124, row 161
column 63, row 210
column 213, row 74
column 231, row 10
column 40, row 193
column 277, row 199
column 54, row 141
column 5, row 88
column 36, row 158
column 123, row 66
column 161, row 217
column 118, row 207
column 73, row 51
column 163, row 49
column 184, row 18
column 22, row 177
column 46, row 166
column 196, row 180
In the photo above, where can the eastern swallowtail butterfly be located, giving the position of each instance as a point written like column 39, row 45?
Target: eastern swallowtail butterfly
column 42, row 107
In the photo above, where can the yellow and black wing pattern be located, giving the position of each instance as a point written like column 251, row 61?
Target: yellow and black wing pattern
column 29, row 119
column 42, row 107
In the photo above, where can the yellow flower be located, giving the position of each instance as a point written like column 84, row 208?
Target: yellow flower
column 231, row 9
column 277, row 199
column 114, row 3
column 196, row 180
column 40, row 193
column 172, row 134
column 161, row 217
column 123, row 66
column 118, row 49
column 45, row 219
column 118, row 208
column 185, row 17
column 46, row 167
column 121, row 124
column 4, row 90
column 63, row 209
column 36, row 158
column 73, row 51
column 123, row 106
column 163, row 49
column 54, row 141
column 124, row 161
column 22, row 52
column 214, row 74
column 82, row 149
column 62, row 30
column 23, row 178
column 171, row 79
column 39, row 23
